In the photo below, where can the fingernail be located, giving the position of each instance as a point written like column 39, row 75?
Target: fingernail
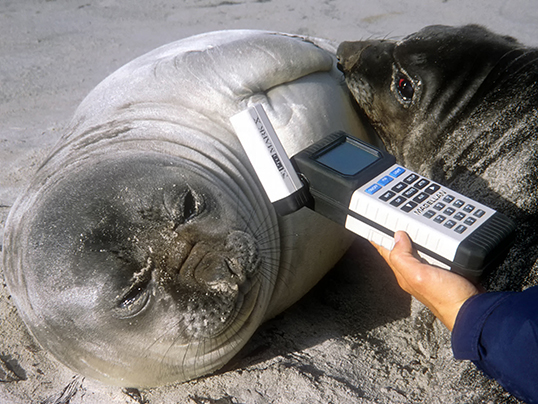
column 397, row 238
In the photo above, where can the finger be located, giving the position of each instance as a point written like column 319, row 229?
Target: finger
column 402, row 243
column 403, row 247
column 403, row 250
column 385, row 253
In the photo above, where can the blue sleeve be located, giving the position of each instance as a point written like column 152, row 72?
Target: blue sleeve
column 499, row 333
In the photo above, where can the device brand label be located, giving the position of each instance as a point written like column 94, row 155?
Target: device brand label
column 434, row 198
column 270, row 147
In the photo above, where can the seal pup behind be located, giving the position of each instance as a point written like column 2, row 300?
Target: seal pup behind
column 459, row 104
column 145, row 251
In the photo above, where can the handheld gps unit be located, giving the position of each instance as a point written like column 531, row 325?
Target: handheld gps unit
column 362, row 188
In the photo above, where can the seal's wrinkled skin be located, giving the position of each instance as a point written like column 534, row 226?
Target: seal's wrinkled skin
column 145, row 251
column 459, row 104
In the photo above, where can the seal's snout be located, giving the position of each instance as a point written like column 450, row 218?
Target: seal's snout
column 348, row 54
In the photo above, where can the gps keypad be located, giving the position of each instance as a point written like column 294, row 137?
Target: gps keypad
column 421, row 197
column 421, row 183
column 459, row 216
column 399, row 187
column 410, row 192
column 397, row 201
column 387, row 195
column 411, row 178
column 414, row 190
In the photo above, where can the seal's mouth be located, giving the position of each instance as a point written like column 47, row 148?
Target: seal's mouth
column 363, row 93
column 219, row 277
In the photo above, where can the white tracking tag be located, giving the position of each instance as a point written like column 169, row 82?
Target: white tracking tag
column 266, row 153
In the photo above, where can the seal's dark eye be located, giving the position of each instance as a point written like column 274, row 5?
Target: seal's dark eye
column 405, row 88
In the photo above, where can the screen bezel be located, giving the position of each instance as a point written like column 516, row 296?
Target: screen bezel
column 355, row 165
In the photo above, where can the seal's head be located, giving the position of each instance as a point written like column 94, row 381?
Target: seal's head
column 144, row 269
column 458, row 104
column 415, row 90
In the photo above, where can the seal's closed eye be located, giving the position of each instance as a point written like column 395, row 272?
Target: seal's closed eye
column 183, row 208
column 134, row 301
column 191, row 206
column 136, row 298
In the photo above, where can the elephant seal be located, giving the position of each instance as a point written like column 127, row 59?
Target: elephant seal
column 458, row 104
column 144, row 251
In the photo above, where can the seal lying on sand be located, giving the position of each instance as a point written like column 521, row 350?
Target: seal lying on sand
column 144, row 251
column 459, row 105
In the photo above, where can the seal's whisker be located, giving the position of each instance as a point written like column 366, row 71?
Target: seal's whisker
column 172, row 329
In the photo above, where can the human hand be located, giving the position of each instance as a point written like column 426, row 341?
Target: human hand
column 442, row 291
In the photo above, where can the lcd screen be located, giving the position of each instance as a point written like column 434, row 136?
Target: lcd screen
column 348, row 157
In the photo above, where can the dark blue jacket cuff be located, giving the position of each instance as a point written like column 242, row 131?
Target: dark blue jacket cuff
column 470, row 322
column 499, row 333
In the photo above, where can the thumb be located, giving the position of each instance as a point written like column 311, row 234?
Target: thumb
column 402, row 253
column 402, row 243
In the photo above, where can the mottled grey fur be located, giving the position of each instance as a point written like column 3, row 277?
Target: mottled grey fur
column 471, row 122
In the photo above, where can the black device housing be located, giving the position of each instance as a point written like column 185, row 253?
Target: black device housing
column 332, row 190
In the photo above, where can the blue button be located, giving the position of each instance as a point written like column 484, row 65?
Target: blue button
column 397, row 172
column 372, row 189
column 385, row 180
